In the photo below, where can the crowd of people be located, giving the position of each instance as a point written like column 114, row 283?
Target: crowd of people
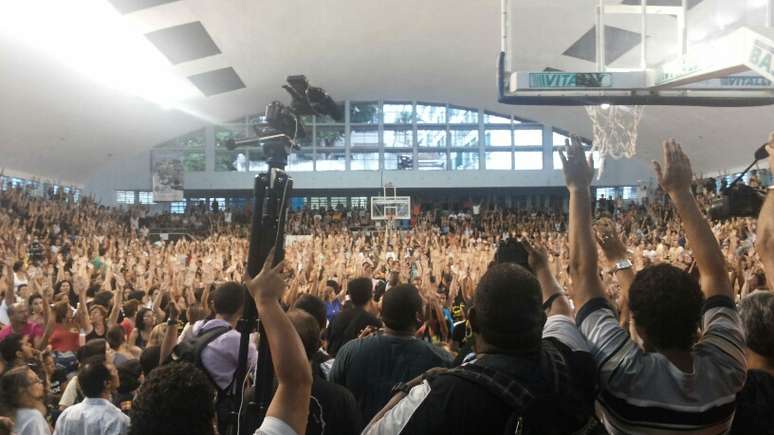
column 605, row 317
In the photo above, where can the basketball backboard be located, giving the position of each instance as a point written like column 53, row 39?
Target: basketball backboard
column 646, row 52
column 390, row 208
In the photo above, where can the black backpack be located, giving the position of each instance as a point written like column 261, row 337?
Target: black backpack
column 524, row 404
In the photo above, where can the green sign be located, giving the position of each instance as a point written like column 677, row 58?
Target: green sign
column 761, row 58
column 570, row 80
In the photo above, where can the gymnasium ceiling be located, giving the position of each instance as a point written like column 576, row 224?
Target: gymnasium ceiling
column 64, row 116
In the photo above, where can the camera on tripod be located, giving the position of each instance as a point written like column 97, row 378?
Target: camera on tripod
column 739, row 200
column 271, row 194
column 285, row 122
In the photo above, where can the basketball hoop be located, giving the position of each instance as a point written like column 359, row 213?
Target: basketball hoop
column 615, row 130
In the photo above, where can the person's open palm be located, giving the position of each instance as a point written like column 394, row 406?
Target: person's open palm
column 675, row 173
column 578, row 170
column 268, row 285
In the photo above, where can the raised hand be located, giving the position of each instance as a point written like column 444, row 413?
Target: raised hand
column 538, row 257
column 578, row 171
column 609, row 242
column 268, row 285
column 675, row 175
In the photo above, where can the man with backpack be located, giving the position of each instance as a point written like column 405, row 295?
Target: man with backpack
column 213, row 345
column 532, row 371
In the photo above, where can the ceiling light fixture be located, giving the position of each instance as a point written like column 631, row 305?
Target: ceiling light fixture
column 91, row 37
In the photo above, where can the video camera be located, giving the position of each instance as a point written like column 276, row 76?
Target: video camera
column 739, row 200
column 285, row 123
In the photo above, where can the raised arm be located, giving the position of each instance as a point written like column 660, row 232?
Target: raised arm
column 553, row 294
column 10, row 291
column 42, row 342
column 294, row 375
column 617, row 260
column 118, row 300
column 675, row 178
column 170, row 338
column 83, row 314
column 578, row 173
column 765, row 242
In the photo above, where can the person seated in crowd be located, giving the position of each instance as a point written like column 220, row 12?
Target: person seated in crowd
column 143, row 325
column 371, row 366
column 131, row 376
column 348, row 324
column 333, row 408
column 96, row 414
column 116, row 338
column 21, row 399
column 321, row 361
column 150, row 359
column 532, row 370
column 94, row 348
column 679, row 380
column 129, row 311
column 18, row 314
column 17, row 351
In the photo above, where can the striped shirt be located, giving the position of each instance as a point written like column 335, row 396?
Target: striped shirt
column 645, row 393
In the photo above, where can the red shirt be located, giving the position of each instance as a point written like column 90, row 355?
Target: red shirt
column 31, row 330
column 127, row 325
column 64, row 339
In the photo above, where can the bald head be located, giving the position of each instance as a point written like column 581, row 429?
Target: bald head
column 19, row 312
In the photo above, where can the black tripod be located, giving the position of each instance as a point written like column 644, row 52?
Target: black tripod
column 270, row 204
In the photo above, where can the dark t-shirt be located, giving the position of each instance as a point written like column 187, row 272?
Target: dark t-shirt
column 755, row 405
column 458, row 406
column 347, row 326
column 336, row 407
column 370, row 367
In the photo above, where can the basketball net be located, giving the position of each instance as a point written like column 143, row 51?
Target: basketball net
column 615, row 131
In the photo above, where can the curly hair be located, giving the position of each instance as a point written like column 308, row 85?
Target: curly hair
column 176, row 399
column 665, row 303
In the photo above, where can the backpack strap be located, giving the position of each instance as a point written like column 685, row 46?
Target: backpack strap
column 201, row 341
column 513, row 393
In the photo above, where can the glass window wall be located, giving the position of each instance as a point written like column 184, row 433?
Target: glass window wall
column 498, row 160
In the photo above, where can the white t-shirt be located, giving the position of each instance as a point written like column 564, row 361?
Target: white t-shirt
column 30, row 422
column 274, row 426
